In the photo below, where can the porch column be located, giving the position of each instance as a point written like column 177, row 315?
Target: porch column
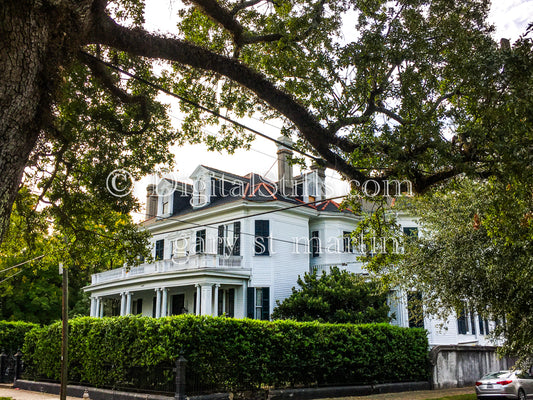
column 207, row 300
column 164, row 302
column 99, row 307
column 245, row 298
column 122, row 304
column 215, row 301
column 223, row 301
column 158, row 303
column 128, row 302
column 198, row 298
column 93, row 306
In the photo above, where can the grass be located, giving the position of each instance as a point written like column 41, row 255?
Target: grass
column 6, row 398
column 457, row 397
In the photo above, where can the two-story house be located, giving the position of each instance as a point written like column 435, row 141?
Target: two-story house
column 233, row 245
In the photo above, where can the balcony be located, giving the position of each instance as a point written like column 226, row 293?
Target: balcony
column 196, row 261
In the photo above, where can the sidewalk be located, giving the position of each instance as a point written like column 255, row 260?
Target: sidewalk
column 16, row 394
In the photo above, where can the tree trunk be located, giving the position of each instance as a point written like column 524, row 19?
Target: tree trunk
column 36, row 39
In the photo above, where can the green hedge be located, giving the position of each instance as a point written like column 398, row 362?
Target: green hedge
column 239, row 354
column 12, row 335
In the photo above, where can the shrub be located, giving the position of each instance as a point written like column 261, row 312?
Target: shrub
column 236, row 354
column 12, row 335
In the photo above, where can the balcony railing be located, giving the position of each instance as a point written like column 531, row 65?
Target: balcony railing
column 196, row 261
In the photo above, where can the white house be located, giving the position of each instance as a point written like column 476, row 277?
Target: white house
column 232, row 245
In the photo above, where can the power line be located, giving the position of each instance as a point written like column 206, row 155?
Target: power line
column 194, row 104
column 22, row 263
column 214, row 225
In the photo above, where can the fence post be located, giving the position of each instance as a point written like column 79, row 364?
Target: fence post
column 181, row 365
column 18, row 372
column 3, row 365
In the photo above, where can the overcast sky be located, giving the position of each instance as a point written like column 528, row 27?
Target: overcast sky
column 510, row 17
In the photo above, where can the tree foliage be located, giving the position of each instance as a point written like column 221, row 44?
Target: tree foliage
column 371, row 88
column 477, row 234
column 337, row 297
column 31, row 291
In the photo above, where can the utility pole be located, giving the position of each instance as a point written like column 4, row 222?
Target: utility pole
column 64, row 333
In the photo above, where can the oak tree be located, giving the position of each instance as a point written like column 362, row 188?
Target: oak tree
column 375, row 89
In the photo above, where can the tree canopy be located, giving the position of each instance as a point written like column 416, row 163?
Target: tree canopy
column 337, row 297
column 374, row 89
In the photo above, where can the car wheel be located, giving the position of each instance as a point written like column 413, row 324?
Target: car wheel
column 521, row 395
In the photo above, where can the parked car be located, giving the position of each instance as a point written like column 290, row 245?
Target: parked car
column 505, row 385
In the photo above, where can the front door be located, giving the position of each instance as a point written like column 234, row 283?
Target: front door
column 178, row 304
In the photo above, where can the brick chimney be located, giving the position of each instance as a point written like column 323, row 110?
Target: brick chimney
column 285, row 179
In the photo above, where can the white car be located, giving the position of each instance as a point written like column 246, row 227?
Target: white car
column 505, row 385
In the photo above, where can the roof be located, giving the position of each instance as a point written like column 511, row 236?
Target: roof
column 251, row 187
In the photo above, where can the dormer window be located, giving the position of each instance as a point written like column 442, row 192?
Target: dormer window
column 165, row 209
column 201, row 192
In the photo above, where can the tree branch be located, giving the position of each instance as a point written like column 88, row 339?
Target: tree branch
column 102, row 74
column 242, row 5
column 137, row 41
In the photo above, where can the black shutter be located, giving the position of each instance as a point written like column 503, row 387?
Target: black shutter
column 250, row 302
column 220, row 247
column 139, row 306
column 265, row 307
column 153, row 307
column 262, row 232
column 315, row 244
column 237, row 238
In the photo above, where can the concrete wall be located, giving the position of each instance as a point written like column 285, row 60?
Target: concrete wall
column 460, row 366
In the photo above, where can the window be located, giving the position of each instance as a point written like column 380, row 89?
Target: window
column 159, row 249
column 483, row 325
column 347, row 242
column 410, row 232
column 200, row 241
column 229, row 239
column 415, row 312
column 262, row 235
column 258, row 303
column 165, row 207
column 315, row 244
column 466, row 322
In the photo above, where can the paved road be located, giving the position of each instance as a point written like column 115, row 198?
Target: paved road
column 16, row 394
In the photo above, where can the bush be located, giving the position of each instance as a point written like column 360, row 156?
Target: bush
column 12, row 335
column 339, row 296
column 236, row 354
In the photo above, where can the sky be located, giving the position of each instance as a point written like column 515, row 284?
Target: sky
column 510, row 18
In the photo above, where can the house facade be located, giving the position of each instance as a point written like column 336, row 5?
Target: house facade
column 234, row 245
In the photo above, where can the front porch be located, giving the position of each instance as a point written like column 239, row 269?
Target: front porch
column 202, row 285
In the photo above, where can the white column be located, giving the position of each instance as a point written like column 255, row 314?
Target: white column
column 93, row 307
column 223, row 301
column 164, row 302
column 99, row 307
column 245, row 297
column 122, row 304
column 207, row 300
column 128, row 302
column 198, row 298
column 158, row 303
column 215, row 300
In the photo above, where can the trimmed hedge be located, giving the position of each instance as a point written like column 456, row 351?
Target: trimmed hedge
column 12, row 335
column 237, row 354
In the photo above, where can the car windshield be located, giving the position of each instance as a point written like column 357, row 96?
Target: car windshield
column 497, row 375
